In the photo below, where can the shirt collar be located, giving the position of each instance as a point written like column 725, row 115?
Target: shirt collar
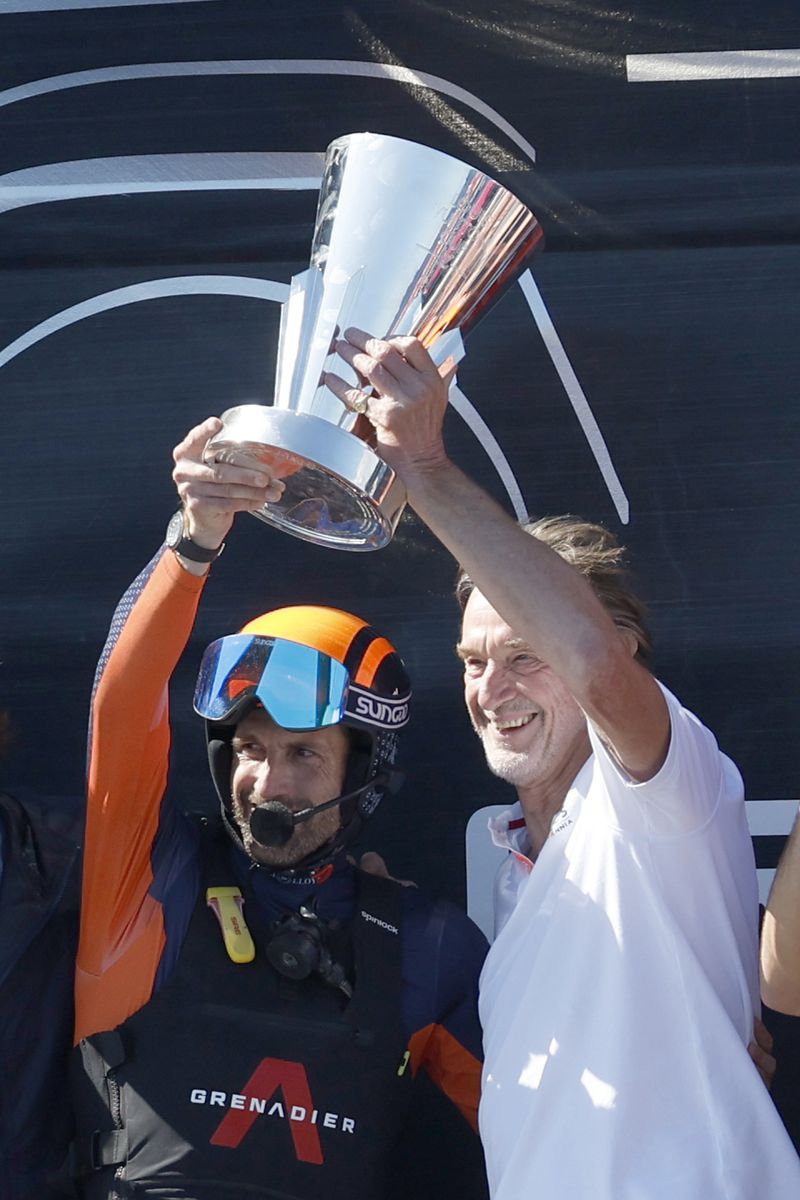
column 508, row 829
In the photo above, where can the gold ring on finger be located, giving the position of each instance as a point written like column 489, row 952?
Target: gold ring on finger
column 359, row 405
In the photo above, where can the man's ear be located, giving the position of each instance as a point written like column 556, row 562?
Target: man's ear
column 630, row 639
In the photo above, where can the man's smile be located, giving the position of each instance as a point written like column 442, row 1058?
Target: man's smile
column 505, row 723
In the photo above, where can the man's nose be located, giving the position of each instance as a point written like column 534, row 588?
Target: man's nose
column 494, row 686
column 271, row 780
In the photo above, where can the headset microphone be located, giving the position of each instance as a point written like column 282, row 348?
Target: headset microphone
column 272, row 823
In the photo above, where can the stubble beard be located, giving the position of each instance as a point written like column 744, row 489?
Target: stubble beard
column 516, row 767
column 532, row 766
column 306, row 838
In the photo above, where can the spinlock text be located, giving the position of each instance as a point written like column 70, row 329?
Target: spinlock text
column 377, row 921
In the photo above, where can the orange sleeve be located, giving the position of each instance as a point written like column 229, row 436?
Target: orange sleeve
column 122, row 931
column 451, row 1067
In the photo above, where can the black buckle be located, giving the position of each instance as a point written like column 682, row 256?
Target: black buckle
column 94, row 1163
column 106, row 1148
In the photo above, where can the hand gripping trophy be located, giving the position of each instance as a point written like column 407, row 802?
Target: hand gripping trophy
column 408, row 242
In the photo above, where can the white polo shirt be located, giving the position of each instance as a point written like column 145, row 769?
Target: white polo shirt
column 618, row 998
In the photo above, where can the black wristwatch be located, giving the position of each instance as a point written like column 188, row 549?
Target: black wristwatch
column 178, row 540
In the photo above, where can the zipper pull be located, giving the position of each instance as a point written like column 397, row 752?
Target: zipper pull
column 227, row 905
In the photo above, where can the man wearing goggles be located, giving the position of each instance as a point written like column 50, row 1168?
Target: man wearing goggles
column 250, row 1007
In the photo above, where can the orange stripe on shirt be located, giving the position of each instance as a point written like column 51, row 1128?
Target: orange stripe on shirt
column 451, row 1067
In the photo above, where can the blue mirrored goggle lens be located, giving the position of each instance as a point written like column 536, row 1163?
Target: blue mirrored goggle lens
column 300, row 687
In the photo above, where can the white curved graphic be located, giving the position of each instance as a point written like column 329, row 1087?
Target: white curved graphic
column 151, row 289
column 265, row 289
column 257, row 289
column 471, row 417
column 143, row 173
column 177, row 172
column 23, row 6
column 266, row 66
column 576, row 394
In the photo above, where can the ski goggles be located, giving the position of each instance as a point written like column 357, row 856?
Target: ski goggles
column 301, row 688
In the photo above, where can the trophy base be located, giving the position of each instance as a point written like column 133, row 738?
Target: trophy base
column 337, row 493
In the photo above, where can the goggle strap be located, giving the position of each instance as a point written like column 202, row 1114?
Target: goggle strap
column 379, row 711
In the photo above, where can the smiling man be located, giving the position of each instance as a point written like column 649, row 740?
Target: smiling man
column 251, row 1009
column 619, row 996
column 532, row 730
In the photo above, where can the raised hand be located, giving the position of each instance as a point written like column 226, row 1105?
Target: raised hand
column 403, row 396
column 213, row 493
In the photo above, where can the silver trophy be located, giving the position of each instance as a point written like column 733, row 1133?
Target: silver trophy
column 407, row 241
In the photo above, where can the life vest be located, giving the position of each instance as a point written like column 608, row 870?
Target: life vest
column 235, row 1081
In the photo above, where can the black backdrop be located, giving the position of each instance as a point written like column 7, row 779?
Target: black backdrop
column 671, row 275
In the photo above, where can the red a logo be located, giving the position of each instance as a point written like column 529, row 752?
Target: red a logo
column 269, row 1075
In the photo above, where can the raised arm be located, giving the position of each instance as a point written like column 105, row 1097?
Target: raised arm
column 122, row 928
column 540, row 596
column 780, row 935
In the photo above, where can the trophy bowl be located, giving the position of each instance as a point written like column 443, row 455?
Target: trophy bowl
column 407, row 242
column 338, row 492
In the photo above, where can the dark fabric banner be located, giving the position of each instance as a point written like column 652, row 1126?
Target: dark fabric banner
column 159, row 164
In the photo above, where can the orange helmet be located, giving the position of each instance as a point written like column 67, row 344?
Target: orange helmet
column 309, row 667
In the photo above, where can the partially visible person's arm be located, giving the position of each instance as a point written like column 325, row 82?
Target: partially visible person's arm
column 445, row 970
column 544, row 600
column 760, row 1050
column 780, row 934
column 450, row 1047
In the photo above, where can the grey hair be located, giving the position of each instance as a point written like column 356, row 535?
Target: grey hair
column 595, row 552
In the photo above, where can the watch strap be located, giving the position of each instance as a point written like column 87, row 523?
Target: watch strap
column 179, row 541
column 189, row 549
